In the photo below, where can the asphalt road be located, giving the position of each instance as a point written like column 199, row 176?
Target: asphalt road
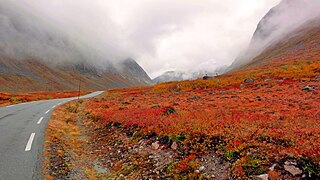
column 22, row 129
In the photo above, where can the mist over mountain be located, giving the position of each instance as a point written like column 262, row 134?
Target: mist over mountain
column 27, row 34
column 41, row 56
column 185, row 75
column 280, row 21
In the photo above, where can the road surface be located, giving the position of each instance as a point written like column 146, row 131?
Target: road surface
column 22, row 129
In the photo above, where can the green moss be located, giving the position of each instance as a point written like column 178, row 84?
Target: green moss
column 229, row 155
column 284, row 67
column 311, row 168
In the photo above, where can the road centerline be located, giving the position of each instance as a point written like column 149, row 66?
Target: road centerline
column 39, row 122
column 48, row 111
column 29, row 144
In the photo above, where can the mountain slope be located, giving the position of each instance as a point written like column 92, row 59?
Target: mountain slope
column 131, row 70
column 35, row 75
column 35, row 55
column 278, row 27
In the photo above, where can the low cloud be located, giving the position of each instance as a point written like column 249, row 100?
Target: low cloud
column 161, row 35
column 278, row 23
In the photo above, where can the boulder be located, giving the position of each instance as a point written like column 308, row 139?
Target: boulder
column 156, row 145
column 292, row 169
column 308, row 89
column 249, row 80
column 174, row 146
column 262, row 177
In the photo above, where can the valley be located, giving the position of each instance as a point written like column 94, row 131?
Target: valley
column 259, row 121
column 160, row 90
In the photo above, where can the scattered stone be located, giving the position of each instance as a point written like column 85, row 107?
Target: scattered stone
column 258, row 98
column 194, row 98
column 317, row 77
column 249, row 80
column 156, row 145
column 169, row 110
column 308, row 89
column 291, row 162
column 202, row 168
column 272, row 167
column 197, row 171
column 262, row 177
column 174, row 146
column 242, row 85
column 292, row 169
column 222, row 92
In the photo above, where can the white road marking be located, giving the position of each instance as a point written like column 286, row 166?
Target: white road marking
column 48, row 111
column 54, row 106
column 29, row 144
column 39, row 122
column 59, row 104
column 11, row 106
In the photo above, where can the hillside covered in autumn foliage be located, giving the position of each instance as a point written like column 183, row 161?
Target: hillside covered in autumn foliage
column 9, row 99
column 260, row 121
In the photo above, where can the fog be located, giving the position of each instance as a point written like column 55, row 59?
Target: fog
column 161, row 35
column 280, row 21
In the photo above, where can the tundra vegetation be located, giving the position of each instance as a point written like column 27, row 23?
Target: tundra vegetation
column 259, row 121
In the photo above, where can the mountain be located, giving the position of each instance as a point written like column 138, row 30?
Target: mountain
column 131, row 70
column 170, row 76
column 181, row 75
column 35, row 55
column 278, row 27
column 35, row 75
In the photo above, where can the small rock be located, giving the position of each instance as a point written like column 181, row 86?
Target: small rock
column 156, row 145
column 249, row 80
column 125, row 103
column 169, row 110
column 242, row 85
column 258, row 98
column 291, row 162
column 194, row 98
column 308, row 89
column 222, row 92
column 272, row 167
column 174, row 146
column 197, row 171
column 292, row 169
column 262, row 177
column 202, row 168
column 317, row 77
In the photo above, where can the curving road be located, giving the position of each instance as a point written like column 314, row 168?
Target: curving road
column 22, row 128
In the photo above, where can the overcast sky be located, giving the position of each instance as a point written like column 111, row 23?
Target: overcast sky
column 162, row 35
